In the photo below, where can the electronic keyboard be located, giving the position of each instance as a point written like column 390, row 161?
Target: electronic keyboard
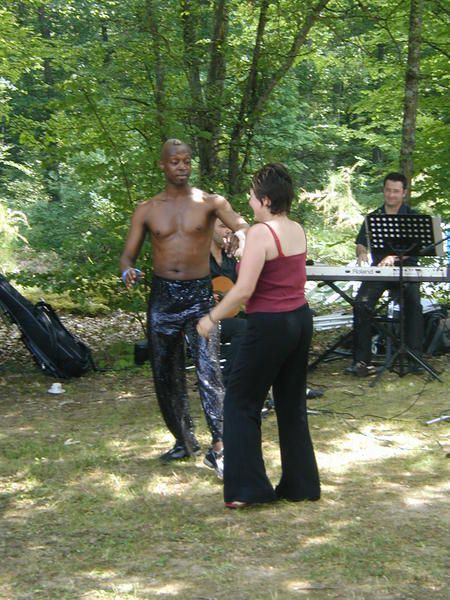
column 356, row 273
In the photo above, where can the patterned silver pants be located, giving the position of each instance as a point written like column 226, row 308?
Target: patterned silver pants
column 174, row 308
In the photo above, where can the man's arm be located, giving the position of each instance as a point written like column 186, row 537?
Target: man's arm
column 251, row 267
column 362, row 254
column 234, row 246
column 224, row 211
column 133, row 244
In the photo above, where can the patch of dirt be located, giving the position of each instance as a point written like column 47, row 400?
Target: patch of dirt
column 99, row 333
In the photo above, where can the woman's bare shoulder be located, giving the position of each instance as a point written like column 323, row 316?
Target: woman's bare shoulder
column 258, row 231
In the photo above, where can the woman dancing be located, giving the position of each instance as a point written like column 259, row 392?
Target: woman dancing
column 273, row 352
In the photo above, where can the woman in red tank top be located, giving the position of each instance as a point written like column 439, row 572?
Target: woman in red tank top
column 273, row 353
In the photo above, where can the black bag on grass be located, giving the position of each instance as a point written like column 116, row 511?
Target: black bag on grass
column 56, row 351
column 437, row 331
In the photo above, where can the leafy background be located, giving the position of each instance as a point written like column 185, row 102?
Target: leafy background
column 89, row 91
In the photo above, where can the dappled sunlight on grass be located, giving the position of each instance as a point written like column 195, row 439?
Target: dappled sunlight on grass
column 90, row 512
column 117, row 486
column 318, row 540
column 303, row 586
column 174, row 484
column 370, row 444
column 427, row 495
column 169, row 589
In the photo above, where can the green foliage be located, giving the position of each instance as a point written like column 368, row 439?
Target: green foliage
column 332, row 217
column 85, row 233
column 11, row 221
column 90, row 89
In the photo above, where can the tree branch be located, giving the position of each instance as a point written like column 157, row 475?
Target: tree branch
column 112, row 143
column 137, row 100
column 436, row 47
column 298, row 42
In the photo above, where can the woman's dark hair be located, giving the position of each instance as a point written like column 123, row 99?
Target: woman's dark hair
column 274, row 181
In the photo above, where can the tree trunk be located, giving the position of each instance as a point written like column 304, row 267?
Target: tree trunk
column 207, row 98
column 249, row 98
column 193, row 60
column 50, row 163
column 215, row 86
column 257, row 92
column 411, row 92
column 157, row 74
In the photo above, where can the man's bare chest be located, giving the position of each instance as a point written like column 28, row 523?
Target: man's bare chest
column 167, row 221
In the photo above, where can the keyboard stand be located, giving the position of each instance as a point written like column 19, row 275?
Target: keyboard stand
column 403, row 351
column 325, row 356
column 403, row 235
column 385, row 329
column 333, row 349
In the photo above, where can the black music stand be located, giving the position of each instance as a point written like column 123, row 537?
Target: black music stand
column 404, row 235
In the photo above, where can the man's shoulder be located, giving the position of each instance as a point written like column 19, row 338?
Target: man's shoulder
column 377, row 211
column 144, row 205
column 408, row 210
column 143, row 210
column 208, row 197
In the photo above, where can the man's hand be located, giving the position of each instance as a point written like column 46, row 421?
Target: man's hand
column 388, row 261
column 363, row 259
column 132, row 276
column 233, row 244
column 362, row 255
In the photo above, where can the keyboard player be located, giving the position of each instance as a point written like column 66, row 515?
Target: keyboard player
column 394, row 192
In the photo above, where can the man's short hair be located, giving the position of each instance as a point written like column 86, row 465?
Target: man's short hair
column 173, row 144
column 273, row 180
column 394, row 176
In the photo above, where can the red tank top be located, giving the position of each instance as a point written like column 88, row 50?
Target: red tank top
column 281, row 283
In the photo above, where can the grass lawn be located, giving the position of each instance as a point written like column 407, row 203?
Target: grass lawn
column 89, row 512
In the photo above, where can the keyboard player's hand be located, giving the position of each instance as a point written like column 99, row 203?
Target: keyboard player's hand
column 363, row 260
column 388, row 261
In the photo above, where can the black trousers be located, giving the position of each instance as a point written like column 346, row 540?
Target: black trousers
column 273, row 352
column 365, row 301
column 174, row 308
column 231, row 333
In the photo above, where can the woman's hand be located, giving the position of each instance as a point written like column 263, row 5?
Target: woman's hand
column 205, row 326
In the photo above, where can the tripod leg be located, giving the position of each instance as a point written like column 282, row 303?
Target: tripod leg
column 330, row 350
column 419, row 360
column 400, row 354
column 386, row 367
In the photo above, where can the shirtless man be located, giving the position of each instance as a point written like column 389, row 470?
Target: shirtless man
column 180, row 222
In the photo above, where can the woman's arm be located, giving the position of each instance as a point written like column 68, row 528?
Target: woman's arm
column 250, row 269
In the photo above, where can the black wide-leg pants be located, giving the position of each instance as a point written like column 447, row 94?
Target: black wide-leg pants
column 175, row 306
column 273, row 352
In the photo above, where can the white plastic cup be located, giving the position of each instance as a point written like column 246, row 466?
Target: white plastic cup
column 56, row 388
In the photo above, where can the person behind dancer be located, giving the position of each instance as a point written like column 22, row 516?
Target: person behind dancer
column 273, row 352
column 223, row 265
column 180, row 222
column 394, row 191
